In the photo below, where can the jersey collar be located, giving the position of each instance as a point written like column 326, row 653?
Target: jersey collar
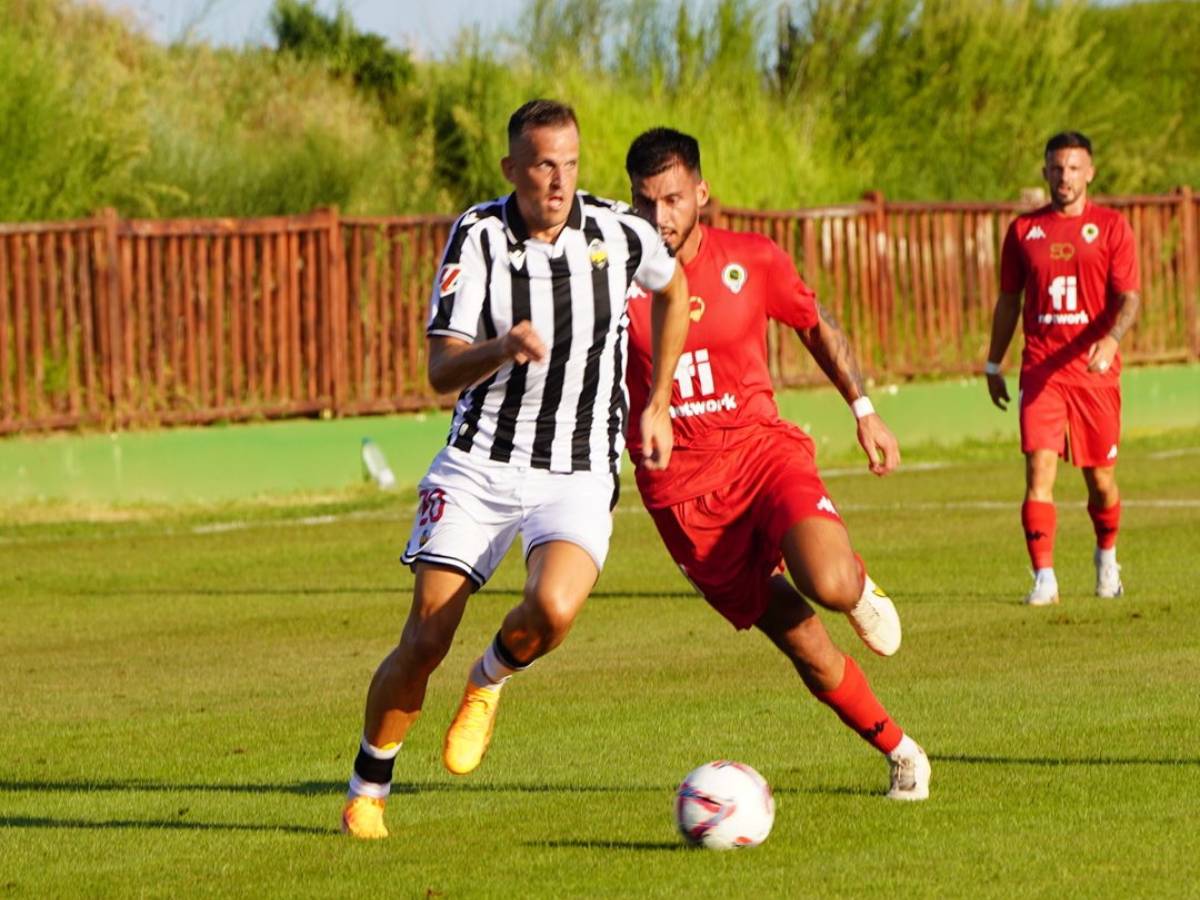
column 518, row 231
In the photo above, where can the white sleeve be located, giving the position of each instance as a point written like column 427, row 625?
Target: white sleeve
column 657, row 265
column 460, row 286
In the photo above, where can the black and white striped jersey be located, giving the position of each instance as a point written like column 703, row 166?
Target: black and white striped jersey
column 567, row 412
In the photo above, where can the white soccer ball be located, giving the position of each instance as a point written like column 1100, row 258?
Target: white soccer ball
column 724, row 805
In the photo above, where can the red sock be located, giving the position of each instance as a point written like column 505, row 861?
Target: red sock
column 855, row 705
column 1105, row 522
column 1040, row 522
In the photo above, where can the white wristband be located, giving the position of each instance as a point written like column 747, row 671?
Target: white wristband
column 862, row 407
column 991, row 368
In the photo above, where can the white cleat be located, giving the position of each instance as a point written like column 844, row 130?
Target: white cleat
column 1108, row 578
column 910, row 771
column 1044, row 592
column 875, row 619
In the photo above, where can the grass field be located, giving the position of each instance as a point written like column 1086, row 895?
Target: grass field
column 182, row 696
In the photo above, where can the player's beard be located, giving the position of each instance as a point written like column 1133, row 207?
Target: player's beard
column 682, row 235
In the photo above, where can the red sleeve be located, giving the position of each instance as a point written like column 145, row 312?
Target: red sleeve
column 1012, row 266
column 789, row 299
column 1123, row 264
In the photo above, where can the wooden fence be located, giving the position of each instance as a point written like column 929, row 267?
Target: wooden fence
column 113, row 323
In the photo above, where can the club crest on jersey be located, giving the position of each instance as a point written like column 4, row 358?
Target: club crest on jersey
column 1062, row 251
column 517, row 258
column 1090, row 231
column 449, row 279
column 696, row 308
column 734, row 276
column 598, row 254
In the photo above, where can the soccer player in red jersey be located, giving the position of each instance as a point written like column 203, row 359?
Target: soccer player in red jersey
column 743, row 499
column 1074, row 266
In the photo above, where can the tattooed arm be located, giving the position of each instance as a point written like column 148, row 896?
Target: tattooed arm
column 833, row 353
column 1101, row 353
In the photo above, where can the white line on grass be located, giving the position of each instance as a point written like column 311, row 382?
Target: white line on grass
column 404, row 514
column 1173, row 454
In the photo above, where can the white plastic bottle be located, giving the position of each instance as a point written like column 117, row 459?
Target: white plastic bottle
column 375, row 465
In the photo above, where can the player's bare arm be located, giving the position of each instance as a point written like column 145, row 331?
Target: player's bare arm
column 669, row 325
column 1102, row 353
column 1004, row 326
column 455, row 364
column 831, row 349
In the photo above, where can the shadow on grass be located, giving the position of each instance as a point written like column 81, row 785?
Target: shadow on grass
column 314, row 788
column 354, row 590
column 1101, row 761
column 669, row 846
column 152, row 825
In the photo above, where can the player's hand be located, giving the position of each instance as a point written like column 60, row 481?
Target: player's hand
column 523, row 344
column 881, row 446
column 998, row 390
column 1101, row 355
column 657, row 437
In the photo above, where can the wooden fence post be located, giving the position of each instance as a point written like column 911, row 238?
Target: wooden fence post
column 881, row 269
column 338, row 312
column 1191, row 267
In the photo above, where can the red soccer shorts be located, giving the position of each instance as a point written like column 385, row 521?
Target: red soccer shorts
column 1081, row 423
column 728, row 542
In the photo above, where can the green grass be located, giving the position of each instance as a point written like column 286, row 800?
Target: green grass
column 181, row 704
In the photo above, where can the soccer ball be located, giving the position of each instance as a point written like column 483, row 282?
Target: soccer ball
column 723, row 805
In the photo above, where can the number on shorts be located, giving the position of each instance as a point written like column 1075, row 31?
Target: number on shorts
column 433, row 504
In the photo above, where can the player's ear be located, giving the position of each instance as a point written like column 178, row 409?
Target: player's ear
column 506, row 167
column 702, row 194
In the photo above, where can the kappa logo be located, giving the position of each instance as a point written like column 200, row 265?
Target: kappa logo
column 636, row 292
column 449, row 279
column 1112, row 452
column 517, row 258
column 874, row 730
column 734, row 276
column 1062, row 251
column 1035, row 233
column 696, row 308
column 827, row 505
column 598, row 254
column 1090, row 231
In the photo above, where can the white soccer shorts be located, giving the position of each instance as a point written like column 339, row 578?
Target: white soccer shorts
column 470, row 510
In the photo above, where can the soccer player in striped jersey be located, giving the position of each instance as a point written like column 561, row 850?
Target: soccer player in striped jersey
column 527, row 320
column 1072, row 265
column 743, row 502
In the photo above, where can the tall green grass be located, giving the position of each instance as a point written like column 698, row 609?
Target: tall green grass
column 795, row 104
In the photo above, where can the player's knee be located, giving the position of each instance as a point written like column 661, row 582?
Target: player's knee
column 838, row 586
column 551, row 613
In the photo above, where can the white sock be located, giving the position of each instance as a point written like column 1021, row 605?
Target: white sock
column 490, row 671
column 380, row 752
column 359, row 786
column 906, row 747
column 1045, row 575
column 1106, row 557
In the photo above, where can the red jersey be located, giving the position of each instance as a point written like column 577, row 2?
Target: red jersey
column 722, row 384
column 1071, row 269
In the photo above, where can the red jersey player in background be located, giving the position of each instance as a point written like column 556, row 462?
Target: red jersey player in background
column 1075, row 266
column 743, row 495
